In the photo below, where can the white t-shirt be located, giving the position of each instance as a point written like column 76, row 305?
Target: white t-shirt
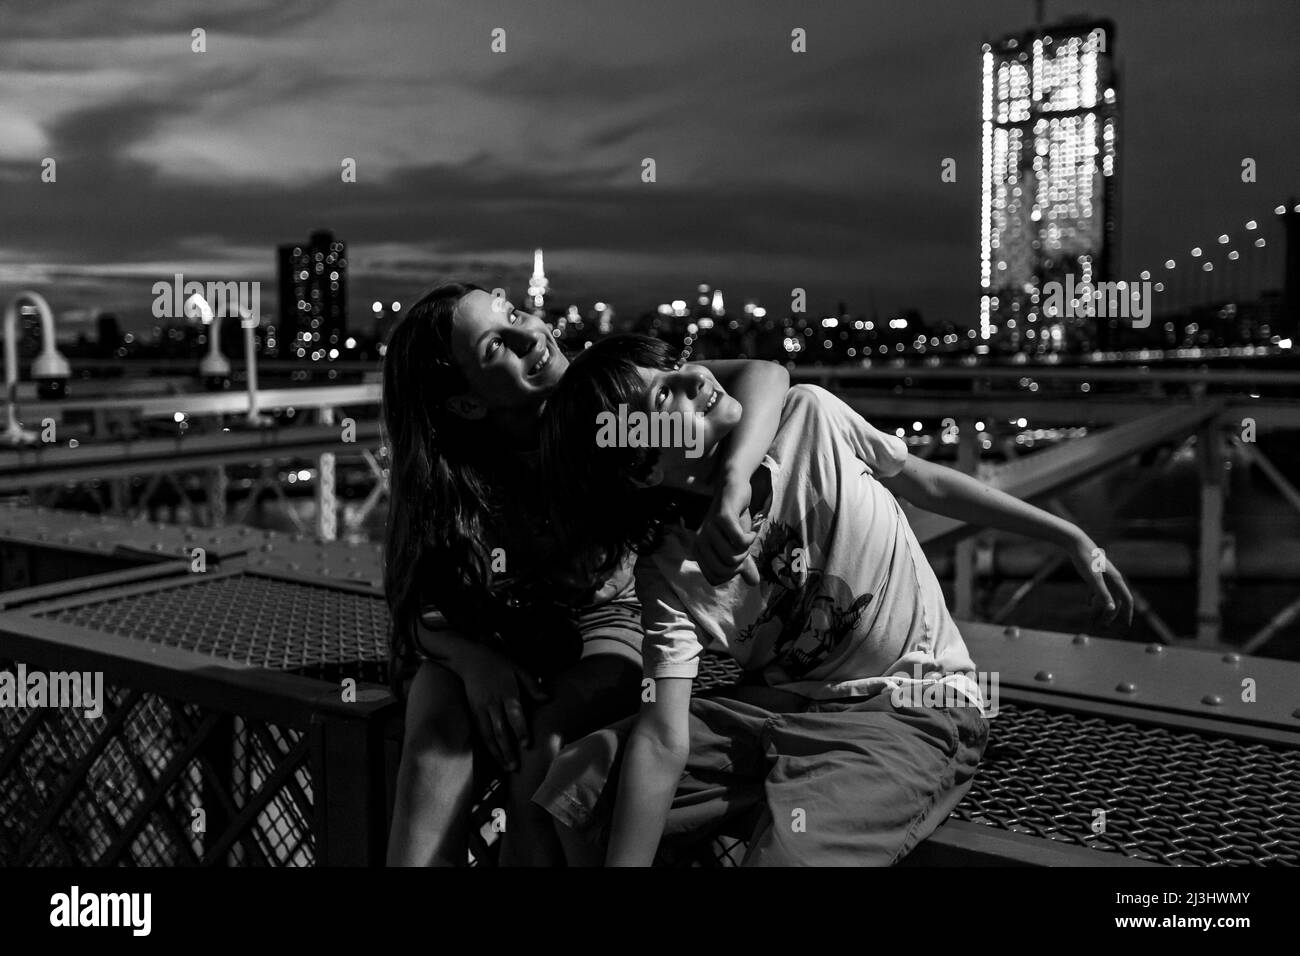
column 847, row 606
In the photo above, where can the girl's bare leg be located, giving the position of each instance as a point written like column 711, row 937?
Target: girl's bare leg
column 436, row 776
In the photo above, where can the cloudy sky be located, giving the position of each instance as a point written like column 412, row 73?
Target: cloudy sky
column 774, row 169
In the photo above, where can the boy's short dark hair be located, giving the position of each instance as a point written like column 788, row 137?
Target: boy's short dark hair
column 596, row 509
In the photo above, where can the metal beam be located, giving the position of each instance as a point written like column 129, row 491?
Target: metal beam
column 1210, row 457
column 1055, row 469
column 968, row 457
column 1051, row 373
column 1184, row 680
column 46, row 465
column 326, row 501
column 213, row 403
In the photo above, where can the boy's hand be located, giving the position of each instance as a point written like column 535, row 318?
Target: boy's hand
column 722, row 544
column 493, row 688
column 1095, row 568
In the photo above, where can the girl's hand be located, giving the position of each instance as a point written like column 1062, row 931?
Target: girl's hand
column 722, row 544
column 1095, row 568
column 494, row 687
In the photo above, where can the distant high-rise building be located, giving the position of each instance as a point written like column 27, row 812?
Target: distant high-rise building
column 313, row 298
column 1048, row 195
column 108, row 334
column 538, row 286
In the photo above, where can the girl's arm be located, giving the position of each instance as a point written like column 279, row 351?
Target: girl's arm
column 949, row 492
column 652, row 767
column 722, row 545
column 494, row 686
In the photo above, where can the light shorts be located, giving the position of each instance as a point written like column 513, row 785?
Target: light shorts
column 847, row 782
column 613, row 626
column 610, row 624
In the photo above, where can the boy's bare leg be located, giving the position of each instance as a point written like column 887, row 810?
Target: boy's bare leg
column 436, row 775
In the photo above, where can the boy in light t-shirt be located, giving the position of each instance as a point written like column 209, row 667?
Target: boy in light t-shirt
column 817, row 758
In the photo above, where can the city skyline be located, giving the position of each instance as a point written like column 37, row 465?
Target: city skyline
column 774, row 169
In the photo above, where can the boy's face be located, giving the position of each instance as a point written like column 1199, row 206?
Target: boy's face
column 694, row 394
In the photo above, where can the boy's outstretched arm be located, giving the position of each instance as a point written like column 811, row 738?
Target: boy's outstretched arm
column 949, row 492
column 652, row 767
column 722, row 544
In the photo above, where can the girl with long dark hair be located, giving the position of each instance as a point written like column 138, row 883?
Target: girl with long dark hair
column 505, row 647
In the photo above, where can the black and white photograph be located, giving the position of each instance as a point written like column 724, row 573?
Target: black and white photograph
column 657, row 434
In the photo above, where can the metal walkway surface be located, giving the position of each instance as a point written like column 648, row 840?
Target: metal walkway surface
column 224, row 692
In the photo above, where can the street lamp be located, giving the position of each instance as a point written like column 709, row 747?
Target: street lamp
column 50, row 369
column 248, row 321
column 214, row 367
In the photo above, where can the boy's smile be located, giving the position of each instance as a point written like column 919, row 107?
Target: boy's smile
column 691, row 392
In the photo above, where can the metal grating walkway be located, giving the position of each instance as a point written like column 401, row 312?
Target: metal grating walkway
column 1179, row 798
column 252, row 619
column 1175, row 797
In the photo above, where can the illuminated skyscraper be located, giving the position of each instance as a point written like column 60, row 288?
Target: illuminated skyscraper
column 313, row 298
column 537, row 285
column 1048, row 195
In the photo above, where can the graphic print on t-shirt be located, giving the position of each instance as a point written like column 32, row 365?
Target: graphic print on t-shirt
column 806, row 613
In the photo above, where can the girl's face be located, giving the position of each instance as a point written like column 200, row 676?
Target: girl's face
column 690, row 391
column 508, row 356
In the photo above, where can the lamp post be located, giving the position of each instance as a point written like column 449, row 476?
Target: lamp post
column 214, row 365
column 50, row 369
column 248, row 321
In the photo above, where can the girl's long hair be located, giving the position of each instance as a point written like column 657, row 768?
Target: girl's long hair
column 440, row 490
column 596, row 507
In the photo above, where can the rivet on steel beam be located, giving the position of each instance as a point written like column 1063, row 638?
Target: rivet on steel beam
column 1012, row 632
column 1212, row 700
column 1296, row 713
column 1044, row 676
column 1155, row 648
column 1126, row 687
column 1231, row 658
column 1080, row 639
